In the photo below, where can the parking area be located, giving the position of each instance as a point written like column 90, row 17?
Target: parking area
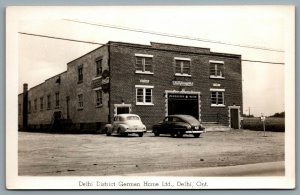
column 99, row 155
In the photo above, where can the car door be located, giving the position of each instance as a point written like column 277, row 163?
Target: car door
column 166, row 125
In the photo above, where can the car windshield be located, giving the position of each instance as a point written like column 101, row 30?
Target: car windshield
column 133, row 118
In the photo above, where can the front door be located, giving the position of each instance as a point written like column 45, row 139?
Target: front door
column 234, row 118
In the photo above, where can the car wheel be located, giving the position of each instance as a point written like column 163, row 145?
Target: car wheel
column 179, row 133
column 107, row 133
column 156, row 133
column 141, row 134
column 196, row 134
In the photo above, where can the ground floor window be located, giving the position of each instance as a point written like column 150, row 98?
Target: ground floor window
column 144, row 95
column 217, row 98
column 98, row 97
column 80, row 101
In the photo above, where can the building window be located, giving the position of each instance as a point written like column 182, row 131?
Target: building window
column 143, row 63
column 80, row 101
column 48, row 102
column 217, row 97
column 80, row 74
column 144, row 95
column 57, row 100
column 182, row 67
column 98, row 67
column 20, row 109
column 41, row 103
column 216, row 69
column 29, row 106
column 35, row 105
column 98, row 97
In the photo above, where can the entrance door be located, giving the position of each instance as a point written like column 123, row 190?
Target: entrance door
column 122, row 110
column 234, row 118
column 183, row 104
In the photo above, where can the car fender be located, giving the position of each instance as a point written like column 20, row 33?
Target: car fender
column 123, row 127
column 108, row 127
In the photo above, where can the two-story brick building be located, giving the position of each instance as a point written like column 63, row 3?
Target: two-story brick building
column 152, row 81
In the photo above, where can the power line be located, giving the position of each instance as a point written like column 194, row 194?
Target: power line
column 263, row 62
column 174, row 35
column 65, row 39
column 89, row 42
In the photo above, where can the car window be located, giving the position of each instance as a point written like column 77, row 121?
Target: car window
column 121, row 118
column 175, row 119
column 115, row 118
column 133, row 118
column 168, row 119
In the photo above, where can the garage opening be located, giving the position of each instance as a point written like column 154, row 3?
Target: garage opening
column 183, row 104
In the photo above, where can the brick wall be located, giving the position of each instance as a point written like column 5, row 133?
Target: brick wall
column 124, row 79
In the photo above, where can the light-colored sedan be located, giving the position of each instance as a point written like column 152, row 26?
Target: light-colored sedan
column 125, row 124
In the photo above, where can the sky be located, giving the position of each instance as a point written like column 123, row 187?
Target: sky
column 263, row 84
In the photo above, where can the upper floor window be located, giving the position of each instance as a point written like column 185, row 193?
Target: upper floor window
column 98, row 67
column 144, row 63
column 217, row 97
column 98, row 97
column 216, row 69
column 57, row 100
column 182, row 67
column 29, row 106
column 48, row 102
column 80, row 101
column 35, row 105
column 144, row 95
column 41, row 103
column 80, row 74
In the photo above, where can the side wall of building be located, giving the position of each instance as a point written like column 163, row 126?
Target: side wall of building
column 43, row 103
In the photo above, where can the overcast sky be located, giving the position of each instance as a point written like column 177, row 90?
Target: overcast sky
column 263, row 84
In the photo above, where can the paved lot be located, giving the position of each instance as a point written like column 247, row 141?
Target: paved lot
column 99, row 155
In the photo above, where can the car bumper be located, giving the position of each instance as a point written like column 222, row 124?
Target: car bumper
column 192, row 132
column 134, row 131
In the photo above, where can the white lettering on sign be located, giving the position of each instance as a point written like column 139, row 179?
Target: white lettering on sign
column 216, row 84
column 144, row 81
column 183, row 83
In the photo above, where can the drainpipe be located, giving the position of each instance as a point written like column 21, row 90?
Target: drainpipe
column 25, row 106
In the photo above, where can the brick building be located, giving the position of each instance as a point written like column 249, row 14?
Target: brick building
column 150, row 80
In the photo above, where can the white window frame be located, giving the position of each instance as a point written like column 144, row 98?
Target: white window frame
column 144, row 87
column 181, row 66
column 143, row 63
column 223, row 97
column 101, row 97
column 216, row 76
column 80, row 101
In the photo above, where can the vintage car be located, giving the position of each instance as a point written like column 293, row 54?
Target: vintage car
column 125, row 124
column 178, row 125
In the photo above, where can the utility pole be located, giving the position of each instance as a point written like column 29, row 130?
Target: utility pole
column 248, row 111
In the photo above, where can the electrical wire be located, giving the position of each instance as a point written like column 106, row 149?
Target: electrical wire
column 89, row 42
column 174, row 35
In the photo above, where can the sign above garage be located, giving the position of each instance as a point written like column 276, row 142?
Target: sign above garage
column 183, row 96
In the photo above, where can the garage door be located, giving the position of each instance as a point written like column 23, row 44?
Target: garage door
column 183, row 104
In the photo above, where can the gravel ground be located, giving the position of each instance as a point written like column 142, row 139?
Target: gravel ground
column 98, row 155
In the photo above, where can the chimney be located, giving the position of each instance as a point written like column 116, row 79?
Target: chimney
column 25, row 106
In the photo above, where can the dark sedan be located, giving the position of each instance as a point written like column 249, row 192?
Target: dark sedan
column 178, row 125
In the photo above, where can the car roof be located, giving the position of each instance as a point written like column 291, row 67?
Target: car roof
column 179, row 115
column 125, row 115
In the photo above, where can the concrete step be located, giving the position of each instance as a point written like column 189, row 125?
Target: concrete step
column 215, row 127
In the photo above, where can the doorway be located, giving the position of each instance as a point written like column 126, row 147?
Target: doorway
column 234, row 118
column 183, row 103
